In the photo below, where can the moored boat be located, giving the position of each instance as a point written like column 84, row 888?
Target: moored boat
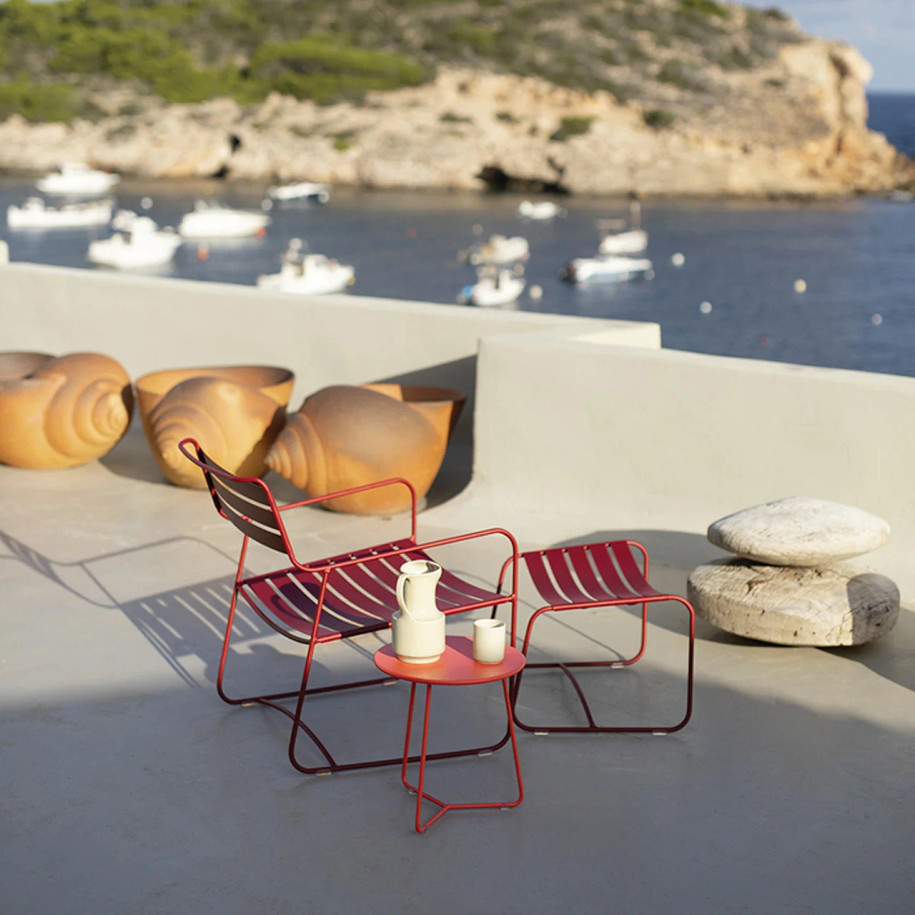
column 75, row 179
column 542, row 209
column 499, row 250
column 300, row 190
column 308, row 274
column 494, row 286
column 608, row 269
column 36, row 214
column 210, row 220
column 142, row 245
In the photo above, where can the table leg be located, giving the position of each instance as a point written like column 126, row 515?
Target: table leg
column 421, row 795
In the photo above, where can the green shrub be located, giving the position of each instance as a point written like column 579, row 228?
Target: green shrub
column 658, row 118
column 328, row 70
column 676, row 73
column 449, row 117
column 344, row 140
column 705, row 8
column 506, row 116
column 38, row 102
column 571, row 127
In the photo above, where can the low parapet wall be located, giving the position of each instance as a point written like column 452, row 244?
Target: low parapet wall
column 576, row 437
column 581, row 427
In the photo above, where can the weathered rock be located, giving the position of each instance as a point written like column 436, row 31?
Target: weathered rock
column 789, row 606
column 799, row 531
column 795, row 126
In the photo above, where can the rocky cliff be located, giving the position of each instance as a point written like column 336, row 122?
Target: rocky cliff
column 795, row 125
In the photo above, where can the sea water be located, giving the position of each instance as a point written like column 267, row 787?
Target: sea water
column 827, row 283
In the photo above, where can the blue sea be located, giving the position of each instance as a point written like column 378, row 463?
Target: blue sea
column 734, row 295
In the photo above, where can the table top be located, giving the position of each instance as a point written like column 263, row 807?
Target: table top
column 456, row 667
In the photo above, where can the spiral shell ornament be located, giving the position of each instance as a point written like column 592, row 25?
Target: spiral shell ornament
column 63, row 411
column 234, row 412
column 345, row 436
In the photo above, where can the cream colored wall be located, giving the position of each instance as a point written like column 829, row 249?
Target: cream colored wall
column 577, row 438
column 150, row 324
column 575, row 435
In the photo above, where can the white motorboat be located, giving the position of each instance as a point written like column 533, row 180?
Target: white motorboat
column 543, row 209
column 210, row 220
column 74, row 179
column 308, row 274
column 494, row 286
column 36, row 214
column 608, row 269
column 629, row 241
column 123, row 220
column 142, row 245
column 499, row 250
column 300, row 190
column 623, row 236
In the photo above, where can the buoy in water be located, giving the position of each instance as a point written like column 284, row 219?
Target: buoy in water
column 678, row 259
column 536, row 293
column 266, row 204
column 705, row 308
column 800, row 285
column 262, row 231
column 477, row 229
column 876, row 320
column 411, row 233
column 146, row 203
column 203, row 252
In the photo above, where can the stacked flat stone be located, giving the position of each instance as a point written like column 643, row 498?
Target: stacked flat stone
column 788, row 586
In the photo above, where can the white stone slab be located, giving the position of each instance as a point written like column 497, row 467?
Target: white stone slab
column 792, row 606
column 799, row 531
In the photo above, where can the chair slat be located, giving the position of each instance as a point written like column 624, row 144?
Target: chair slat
column 630, row 569
column 607, row 570
column 541, row 579
column 259, row 510
column 260, row 534
column 586, row 576
column 559, row 563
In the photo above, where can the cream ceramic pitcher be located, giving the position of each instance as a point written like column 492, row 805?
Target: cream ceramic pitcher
column 418, row 629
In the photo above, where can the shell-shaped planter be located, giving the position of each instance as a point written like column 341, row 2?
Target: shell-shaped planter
column 234, row 412
column 61, row 411
column 345, row 436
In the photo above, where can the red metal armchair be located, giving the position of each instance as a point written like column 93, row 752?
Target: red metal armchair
column 313, row 603
column 587, row 577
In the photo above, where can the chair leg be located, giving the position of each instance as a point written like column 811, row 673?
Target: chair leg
column 565, row 667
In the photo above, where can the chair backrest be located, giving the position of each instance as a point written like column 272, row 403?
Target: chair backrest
column 245, row 501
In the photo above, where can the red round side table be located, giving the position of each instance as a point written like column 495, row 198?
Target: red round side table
column 456, row 667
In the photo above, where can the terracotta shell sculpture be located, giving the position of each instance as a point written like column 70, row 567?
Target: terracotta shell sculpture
column 345, row 436
column 235, row 412
column 61, row 411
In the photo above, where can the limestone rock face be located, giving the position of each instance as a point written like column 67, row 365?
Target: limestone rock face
column 799, row 531
column 797, row 125
column 789, row 606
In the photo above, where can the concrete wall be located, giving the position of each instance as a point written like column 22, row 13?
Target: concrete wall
column 576, row 437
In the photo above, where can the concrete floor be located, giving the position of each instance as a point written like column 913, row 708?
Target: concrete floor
column 127, row 786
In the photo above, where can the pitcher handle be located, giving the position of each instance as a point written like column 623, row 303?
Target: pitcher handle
column 401, row 584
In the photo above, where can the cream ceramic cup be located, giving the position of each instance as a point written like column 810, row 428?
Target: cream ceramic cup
column 488, row 641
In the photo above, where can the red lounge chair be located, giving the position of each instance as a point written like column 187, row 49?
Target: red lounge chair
column 587, row 577
column 325, row 600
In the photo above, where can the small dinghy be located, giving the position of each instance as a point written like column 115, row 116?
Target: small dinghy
column 300, row 190
column 308, row 274
column 36, row 214
column 141, row 245
column 498, row 250
column 494, row 286
column 622, row 236
column 210, row 220
column 543, row 209
column 74, row 179
column 608, row 269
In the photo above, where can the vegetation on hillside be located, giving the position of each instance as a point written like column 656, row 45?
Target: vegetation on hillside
column 52, row 54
